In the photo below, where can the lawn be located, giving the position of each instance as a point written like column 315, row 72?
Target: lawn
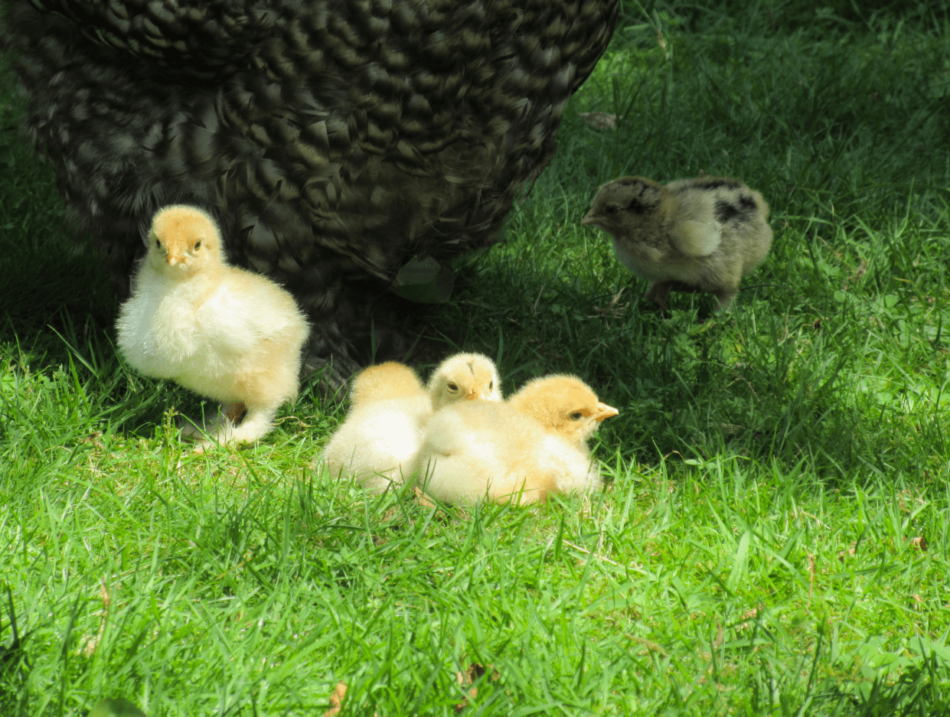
column 774, row 535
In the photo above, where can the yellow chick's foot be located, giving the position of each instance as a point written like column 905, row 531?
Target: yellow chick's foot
column 701, row 234
column 228, row 426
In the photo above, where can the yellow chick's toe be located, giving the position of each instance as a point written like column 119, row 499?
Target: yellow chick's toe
column 701, row 234
column 523, row 450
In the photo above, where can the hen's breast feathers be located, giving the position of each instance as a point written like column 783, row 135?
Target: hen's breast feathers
column 333, row 97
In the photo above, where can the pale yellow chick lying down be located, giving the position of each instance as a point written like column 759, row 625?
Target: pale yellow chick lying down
column 520, row 451
column 389, row 413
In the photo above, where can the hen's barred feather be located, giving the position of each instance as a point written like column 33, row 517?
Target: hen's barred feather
column 333, row 140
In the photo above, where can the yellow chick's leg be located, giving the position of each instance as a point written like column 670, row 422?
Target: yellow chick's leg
column 268, row 380
column 222, row 426
column 227, row 415
column 255, row 425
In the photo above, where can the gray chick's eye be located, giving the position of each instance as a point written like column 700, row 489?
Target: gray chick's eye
column 612, row 209
column 453, row 387
column 576, row 416
column 158, row 244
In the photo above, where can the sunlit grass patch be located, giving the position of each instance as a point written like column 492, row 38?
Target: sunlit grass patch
column 774, row 533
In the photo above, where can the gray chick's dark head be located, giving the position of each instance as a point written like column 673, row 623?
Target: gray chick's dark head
column 624, row 204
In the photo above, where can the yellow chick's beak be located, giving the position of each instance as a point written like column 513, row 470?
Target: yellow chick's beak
column 472, row 396
column 588, row 219
column 604, row 411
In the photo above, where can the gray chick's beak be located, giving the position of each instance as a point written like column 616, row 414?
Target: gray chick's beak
column 589, row 219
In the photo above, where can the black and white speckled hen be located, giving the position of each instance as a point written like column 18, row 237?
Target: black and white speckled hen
column 333, row 140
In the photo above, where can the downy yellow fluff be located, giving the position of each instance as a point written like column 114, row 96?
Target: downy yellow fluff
column 223, row 332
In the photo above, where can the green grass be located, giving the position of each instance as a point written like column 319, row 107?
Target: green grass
column 775, row 534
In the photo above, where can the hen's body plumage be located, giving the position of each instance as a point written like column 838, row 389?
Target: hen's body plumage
column 333, row 140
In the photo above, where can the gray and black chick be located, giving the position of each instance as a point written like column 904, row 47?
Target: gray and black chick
column 701, row 234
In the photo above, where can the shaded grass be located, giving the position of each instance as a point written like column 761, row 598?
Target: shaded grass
column 774, row 534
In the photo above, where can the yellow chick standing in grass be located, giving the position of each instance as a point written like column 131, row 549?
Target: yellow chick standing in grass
column 700, row 234
column 390, row 410
column 523, row 450
column 223, row 332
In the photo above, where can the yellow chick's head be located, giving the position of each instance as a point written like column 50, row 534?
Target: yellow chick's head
column 563, row 404
column 385, row 381
column 625, row 205
column 464, row 376
column 182, row 239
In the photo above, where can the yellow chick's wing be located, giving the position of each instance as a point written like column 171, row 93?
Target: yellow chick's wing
column 491, row 451
column 245, row 310
column 481, row 450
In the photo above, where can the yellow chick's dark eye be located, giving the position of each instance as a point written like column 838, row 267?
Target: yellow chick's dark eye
column 197, row 245
column 576, row 416
column 158, row 244
column 453, row 387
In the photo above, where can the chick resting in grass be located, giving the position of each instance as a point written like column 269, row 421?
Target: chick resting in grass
column 390, row 410
column 523, row 450
column 223, row 332
column 700, row 234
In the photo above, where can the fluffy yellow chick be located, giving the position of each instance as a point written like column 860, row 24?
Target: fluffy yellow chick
column 523, row 450
column 390, row 410
column 223, row 332
column 700, row 234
